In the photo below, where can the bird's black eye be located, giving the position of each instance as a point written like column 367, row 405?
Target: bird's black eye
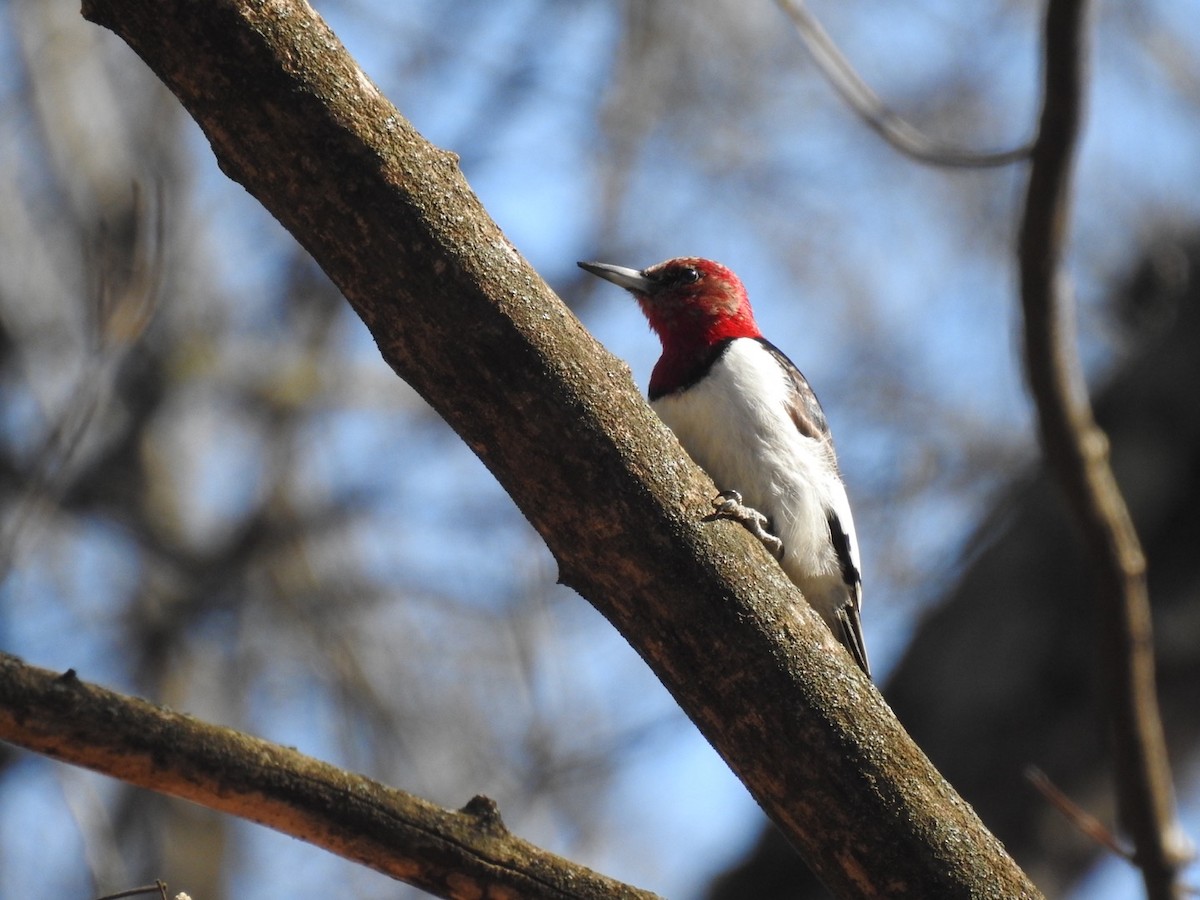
column 688, row 275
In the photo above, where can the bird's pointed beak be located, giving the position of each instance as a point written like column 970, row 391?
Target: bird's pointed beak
column 630, row 279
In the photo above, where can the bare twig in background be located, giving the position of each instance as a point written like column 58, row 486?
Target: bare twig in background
column 1077, row 451
column 1076, row 814
column 448, row 853
column 127, row 272
column 159, row 887
column 1087, row 824
column 899, row 133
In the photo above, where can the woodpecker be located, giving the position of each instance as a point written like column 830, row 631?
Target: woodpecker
column 747, row 416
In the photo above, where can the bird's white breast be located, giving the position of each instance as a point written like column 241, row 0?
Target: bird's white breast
column 735, row 424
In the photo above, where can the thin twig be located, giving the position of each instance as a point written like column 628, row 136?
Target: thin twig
column 1077, row 451
column 159, row 887
column 1083, row 820
column 123, row 300
column 1086, row 823
column 894, row 129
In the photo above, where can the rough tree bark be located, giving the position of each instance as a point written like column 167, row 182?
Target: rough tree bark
column 450, row 853
column 462, row 318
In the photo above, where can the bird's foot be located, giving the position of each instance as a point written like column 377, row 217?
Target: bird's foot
column 728, row 505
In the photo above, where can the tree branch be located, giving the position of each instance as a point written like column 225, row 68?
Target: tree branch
column 461, row 317
column 450, row 854
column 1077, row 451
column 894, row 129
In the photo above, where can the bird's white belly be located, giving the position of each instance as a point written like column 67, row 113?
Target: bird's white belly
column 735, row 424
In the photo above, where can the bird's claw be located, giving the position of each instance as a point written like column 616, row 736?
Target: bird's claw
column 728, row 505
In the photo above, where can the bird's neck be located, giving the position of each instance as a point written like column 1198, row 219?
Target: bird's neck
column 683, row 365
column 692, row 340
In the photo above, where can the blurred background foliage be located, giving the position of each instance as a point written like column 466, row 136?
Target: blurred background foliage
column 214, row 494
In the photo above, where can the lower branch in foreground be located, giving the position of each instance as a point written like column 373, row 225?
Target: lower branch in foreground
column 449, row 854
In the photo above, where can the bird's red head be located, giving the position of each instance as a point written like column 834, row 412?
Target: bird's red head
column 691, row 303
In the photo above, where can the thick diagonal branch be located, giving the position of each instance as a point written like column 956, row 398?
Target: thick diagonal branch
column 460, row 316
column 1077, row 451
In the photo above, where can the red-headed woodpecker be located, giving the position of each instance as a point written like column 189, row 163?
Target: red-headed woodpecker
column 745, row 414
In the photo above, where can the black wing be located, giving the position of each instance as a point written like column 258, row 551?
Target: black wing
column 805, row 410
column 849, row 614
